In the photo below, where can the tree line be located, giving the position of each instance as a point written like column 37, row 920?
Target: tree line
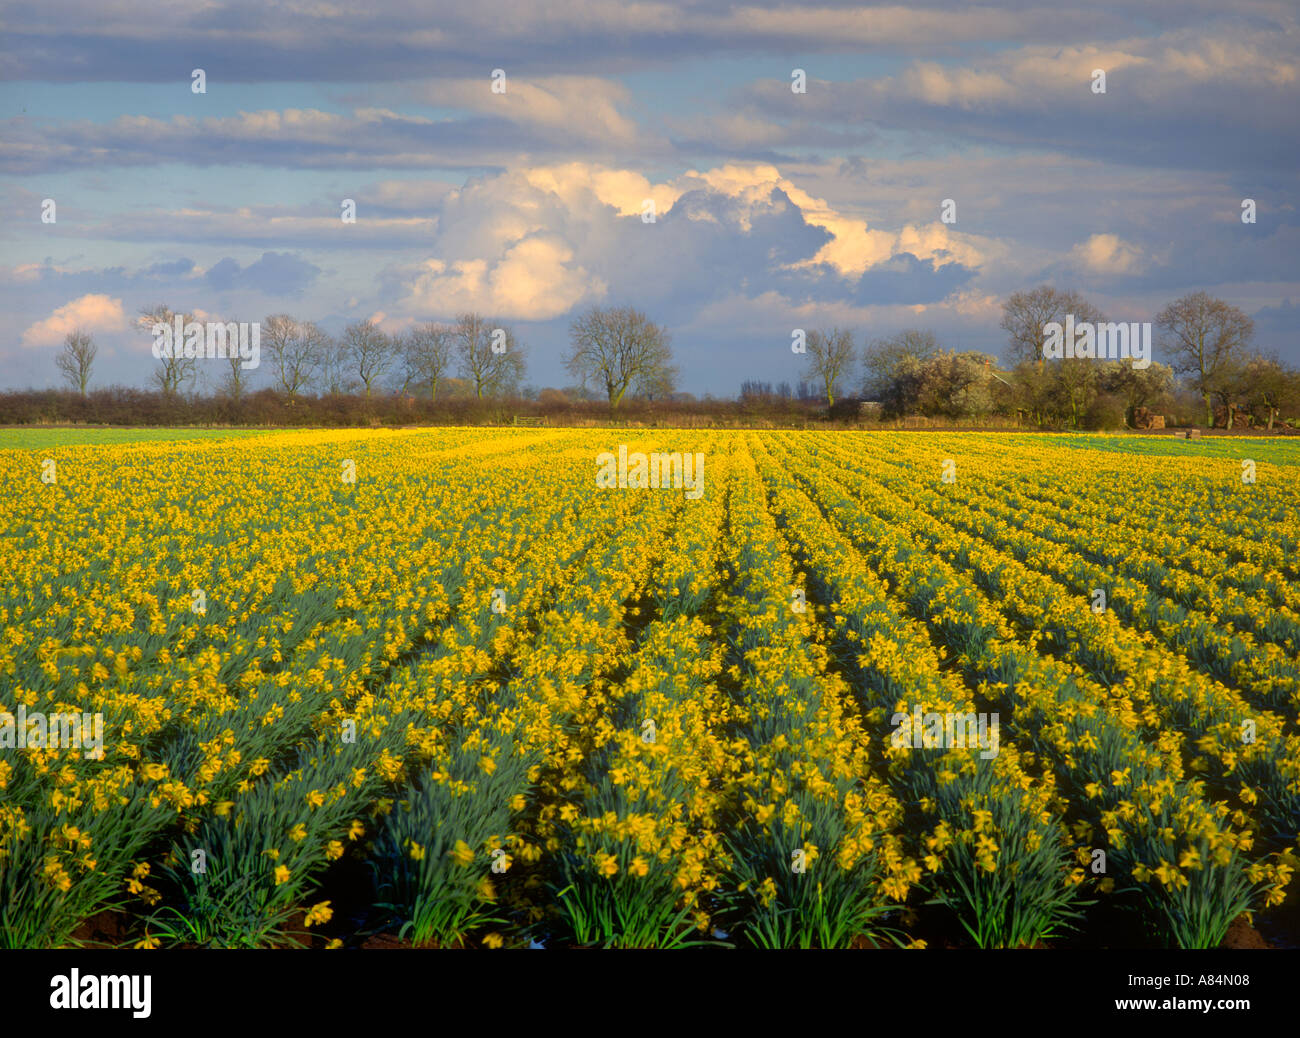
column 618, row 354
column 1208, row 343
column 616, row 351
column 300, row 358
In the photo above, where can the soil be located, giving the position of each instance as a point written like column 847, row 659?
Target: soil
column 107, row 929
column 385, row 940
column 1242, row 935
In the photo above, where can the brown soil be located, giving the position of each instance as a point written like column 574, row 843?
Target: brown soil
column 385, row 940
column 104, row 928
column 1242, row 935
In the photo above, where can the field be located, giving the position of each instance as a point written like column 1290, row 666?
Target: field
column 839, row 689
column 68, row 436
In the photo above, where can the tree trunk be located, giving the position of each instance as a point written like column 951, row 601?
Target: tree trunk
column 1209, row 411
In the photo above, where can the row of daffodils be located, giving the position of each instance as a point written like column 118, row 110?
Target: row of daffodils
column 829, row 690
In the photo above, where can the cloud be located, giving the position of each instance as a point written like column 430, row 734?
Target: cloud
column 536, row 243
column 90, row 313
column 582, row 107
column 313, row 223
column 534, row 280
column 853, row 247
column 398, row 39
column 625, row 190
column 561, row 116
column 529, row 203
column 1107, row 254
column 1275, row 330
column 170, row 268
column 276, row 273
column 1163, row 93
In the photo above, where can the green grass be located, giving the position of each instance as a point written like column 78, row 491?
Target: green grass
column 76, row 436
column 1270, row 449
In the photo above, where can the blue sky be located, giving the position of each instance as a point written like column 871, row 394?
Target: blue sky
column 774, row 210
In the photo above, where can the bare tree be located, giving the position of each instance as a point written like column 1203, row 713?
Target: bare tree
column 370, row 352
column 620, row 349
column 236, row 381
column 830, row 356
column 175, row 371
column 490, row 357
column 333, row 375
column 296, row 349
column 77, row 358
column 1205, row 338
column 426, row 356
column 1024, row 315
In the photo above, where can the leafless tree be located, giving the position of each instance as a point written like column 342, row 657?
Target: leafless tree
column 1024, row 315
column 619, row 349
column 333, row 375
column 237, row 379
column 426, row 356
column 370, row 352
column 830, row 358
column 1206, row 339
column 490, row 356
column 175, row 371
column 77, row 358
column 296, row 349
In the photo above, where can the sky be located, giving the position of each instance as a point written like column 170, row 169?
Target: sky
column 774, row 208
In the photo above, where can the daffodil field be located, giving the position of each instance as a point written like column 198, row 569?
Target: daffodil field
column 449, row 686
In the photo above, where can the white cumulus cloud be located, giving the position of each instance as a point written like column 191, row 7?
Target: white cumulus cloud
column 1107, row 254
column 90, row 313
